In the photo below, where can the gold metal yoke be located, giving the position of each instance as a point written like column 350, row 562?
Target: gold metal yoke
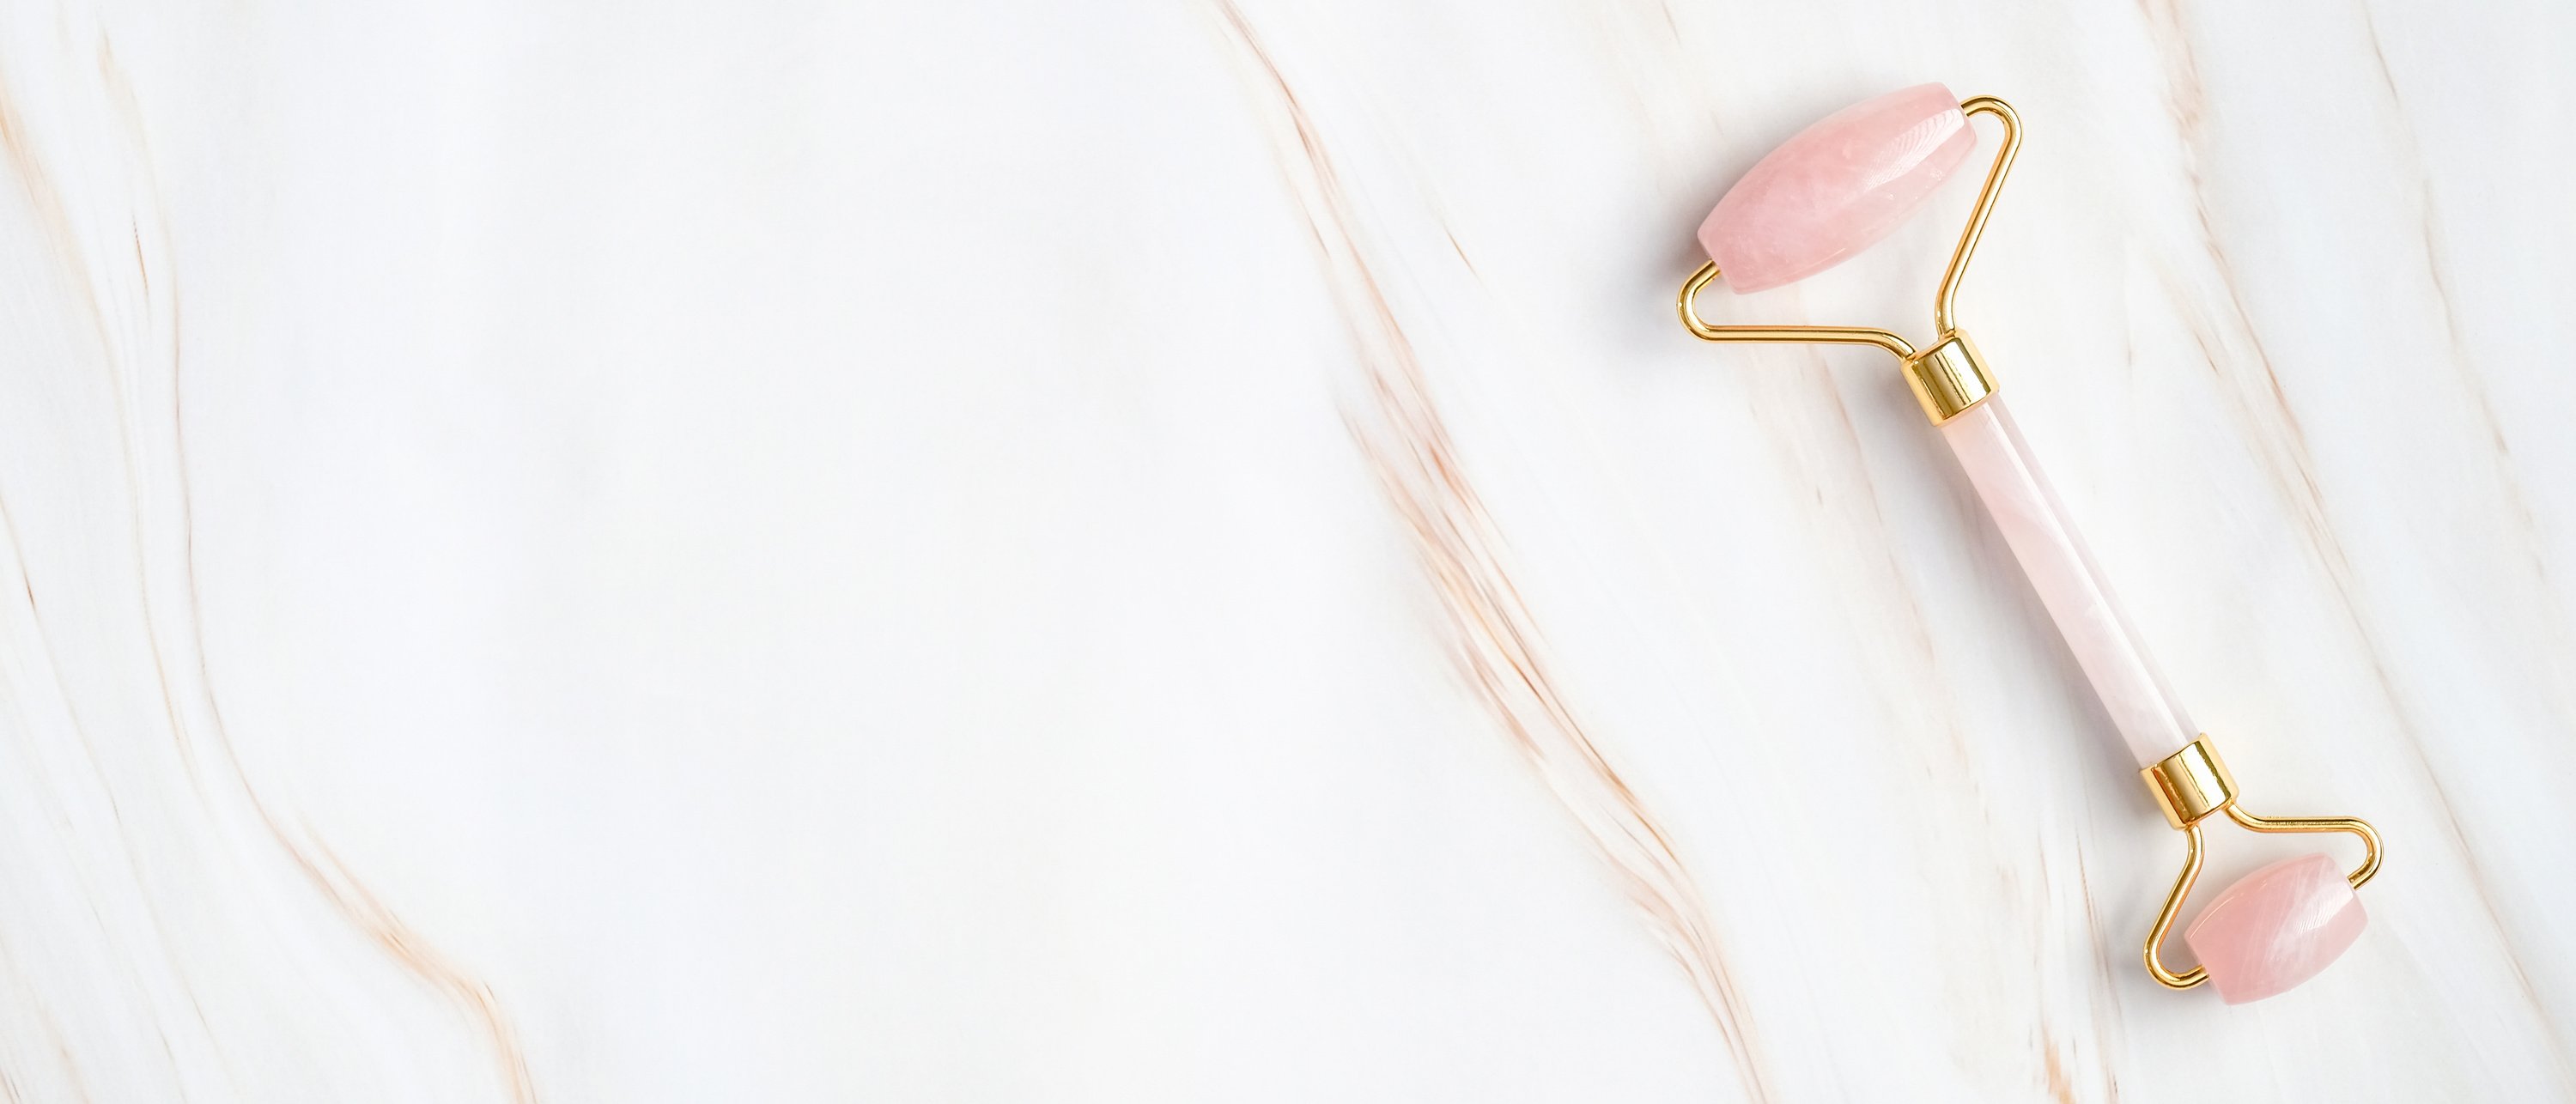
column 1947, row 378
column 2192, row 784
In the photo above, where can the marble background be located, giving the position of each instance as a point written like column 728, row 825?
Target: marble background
column 1174, row 550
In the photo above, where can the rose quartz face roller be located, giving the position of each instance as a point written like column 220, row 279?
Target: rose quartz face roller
column 1831, row 191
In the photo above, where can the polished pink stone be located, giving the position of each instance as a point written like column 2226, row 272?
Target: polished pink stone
column 2276, row 927
column 1999, row 464
column 1836, row 187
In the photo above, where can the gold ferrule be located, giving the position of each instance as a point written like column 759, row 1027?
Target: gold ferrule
column 1949, row 377
column 2190, row 784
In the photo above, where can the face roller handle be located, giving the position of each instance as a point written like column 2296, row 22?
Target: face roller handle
column 1828, row 193
column 1999, row 464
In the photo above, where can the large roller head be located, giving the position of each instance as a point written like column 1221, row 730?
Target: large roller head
column 2276, row 927
column 1837, row 187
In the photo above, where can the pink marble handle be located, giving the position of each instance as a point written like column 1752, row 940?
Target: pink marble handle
column 2000, row 466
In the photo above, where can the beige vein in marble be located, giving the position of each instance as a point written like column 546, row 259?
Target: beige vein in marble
column 160, row 305
column 1399, row 428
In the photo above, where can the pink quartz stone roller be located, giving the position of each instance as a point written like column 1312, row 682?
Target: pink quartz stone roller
column 1831, row 191
column 1836, row 187
column 2276, row 927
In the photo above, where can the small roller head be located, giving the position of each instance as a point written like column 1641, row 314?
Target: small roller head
column 2276, row 927
column 1837, row 187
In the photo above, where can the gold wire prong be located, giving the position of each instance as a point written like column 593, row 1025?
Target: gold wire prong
column 1945, row 300
column 2359, row 875
column 1834, row 335
column 2173, row 909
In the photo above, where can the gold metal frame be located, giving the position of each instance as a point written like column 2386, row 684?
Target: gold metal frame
column 1950, row 377
column 2193, row 784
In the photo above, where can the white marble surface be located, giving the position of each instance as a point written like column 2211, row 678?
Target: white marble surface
column 1115, row 551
